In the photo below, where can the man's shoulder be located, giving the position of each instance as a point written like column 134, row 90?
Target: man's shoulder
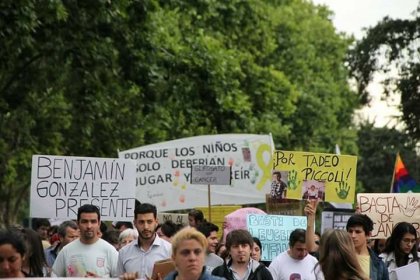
column 162, row 242
column 280, row 256
column 70, row 246
column 161, row 246
column 213, row 260
column 310, row 258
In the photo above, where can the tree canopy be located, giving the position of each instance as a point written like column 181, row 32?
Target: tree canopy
column 87, row 78
column 392, row 44
column 378, row 148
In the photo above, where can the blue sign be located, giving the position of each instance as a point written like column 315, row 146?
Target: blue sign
column 273, row 232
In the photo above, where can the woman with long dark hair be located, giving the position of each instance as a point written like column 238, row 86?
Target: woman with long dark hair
column 400, row 248
column 34, row 263
column 12, row 255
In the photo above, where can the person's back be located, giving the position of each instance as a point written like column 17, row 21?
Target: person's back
column 337, row 257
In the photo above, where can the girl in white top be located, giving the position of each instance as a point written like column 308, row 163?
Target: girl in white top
column 401, row 248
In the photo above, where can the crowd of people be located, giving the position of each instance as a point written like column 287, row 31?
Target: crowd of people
column 87, row 248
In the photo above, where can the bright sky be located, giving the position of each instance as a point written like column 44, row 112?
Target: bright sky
column 352, row 16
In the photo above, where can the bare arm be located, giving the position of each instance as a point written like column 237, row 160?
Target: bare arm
column 310, row 212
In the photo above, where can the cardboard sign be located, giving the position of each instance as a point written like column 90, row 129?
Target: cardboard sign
column 388, row 209
column 164, row 170
column 210, row 175
column 174, row 217
column 327, row 177
column 273, row 232
column 60, row 185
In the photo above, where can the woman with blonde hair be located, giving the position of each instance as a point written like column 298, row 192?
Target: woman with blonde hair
column 188, row 253
column 338, row 258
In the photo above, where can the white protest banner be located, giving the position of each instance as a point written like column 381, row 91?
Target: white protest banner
column 164, row 170
column 273, row 232
column 60, row 185
column 388, row 209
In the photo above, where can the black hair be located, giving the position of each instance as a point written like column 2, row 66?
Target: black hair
column 103, row 227
column 238, row 237
column 111, row 236
column 197, row 215
column 39, row 222
column 278, row 174
column 88, row 208
column 34, row 250
column 376, row 248
column 207, row 228
column 10, row 237
column 118, row 225
column 145, row 208
column 394, row 241
column 298, row 235
column 362, row 221
column 258, row 242
column 169, row 228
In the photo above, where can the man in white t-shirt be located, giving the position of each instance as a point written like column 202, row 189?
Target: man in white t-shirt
column 88, row 256
column 295, row 263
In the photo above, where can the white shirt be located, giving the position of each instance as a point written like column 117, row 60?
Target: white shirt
column 284, row 267
column 132, row 258
column 76, row 259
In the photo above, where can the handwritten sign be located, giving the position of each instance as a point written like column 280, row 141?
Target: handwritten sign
column 177, row 218
column 273, row 232
column 164, row 170
column 60, row 185
column 210, row 175
column 327, row 177
column 388, row 209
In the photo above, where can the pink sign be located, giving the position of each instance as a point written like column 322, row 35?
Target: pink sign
column 237, row 219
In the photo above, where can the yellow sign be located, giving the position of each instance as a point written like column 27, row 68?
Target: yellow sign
column 328, row 177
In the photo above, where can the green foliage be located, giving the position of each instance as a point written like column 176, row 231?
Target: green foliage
column 378, row 148
column 391, row 44
column 89, row 77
